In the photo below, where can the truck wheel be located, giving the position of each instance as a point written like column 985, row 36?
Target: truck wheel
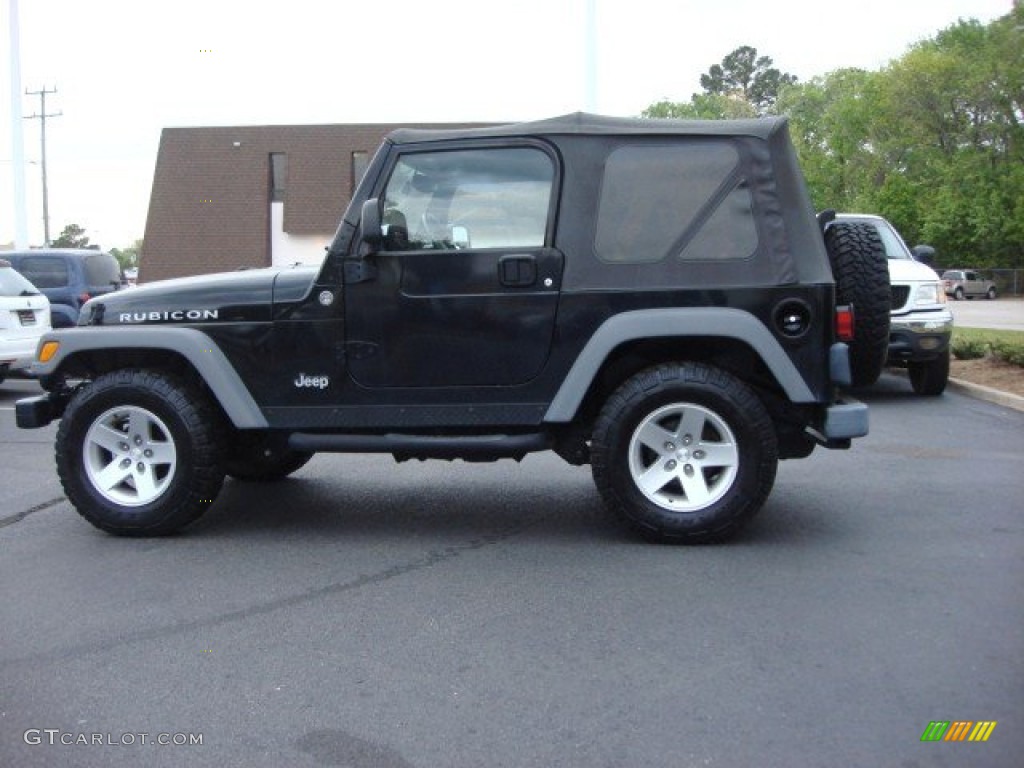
column 684, row 453
column 930, row 378
column 958, row 294
column 991, row 293
column 862, row 280
column 257, row 457
column 138, row 453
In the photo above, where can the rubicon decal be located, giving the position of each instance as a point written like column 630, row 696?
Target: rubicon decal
column 168, row 316
column 312, row 382
column 958, row 730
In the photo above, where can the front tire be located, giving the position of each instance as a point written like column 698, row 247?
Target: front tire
column 930, row 378
column 684, row 453
column 138, row 453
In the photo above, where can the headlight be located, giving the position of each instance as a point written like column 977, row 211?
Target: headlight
column 930, row 293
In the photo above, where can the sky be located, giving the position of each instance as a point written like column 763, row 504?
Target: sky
column 126, row 69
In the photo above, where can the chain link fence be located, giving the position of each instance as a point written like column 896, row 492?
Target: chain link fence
column 1009, row 282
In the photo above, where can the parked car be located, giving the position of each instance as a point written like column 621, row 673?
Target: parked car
column 920, row 323
column 24, row 317
column 655, row 298
column 69, row 277
column 966, row 284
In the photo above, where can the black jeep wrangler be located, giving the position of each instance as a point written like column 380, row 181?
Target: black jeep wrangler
column 654, row 298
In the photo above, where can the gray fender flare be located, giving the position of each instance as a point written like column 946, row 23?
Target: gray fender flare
column 661, row 323
column 195, row 346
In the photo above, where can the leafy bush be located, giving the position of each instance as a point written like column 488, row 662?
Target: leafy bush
column 969, row 349
column 1009, row 351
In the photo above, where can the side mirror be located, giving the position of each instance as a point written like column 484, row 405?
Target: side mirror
column 924, row 253
column 369, row 224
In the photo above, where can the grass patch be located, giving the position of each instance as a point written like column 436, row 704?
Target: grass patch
column 973, row 343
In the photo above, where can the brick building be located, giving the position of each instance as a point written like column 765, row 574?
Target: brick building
column 254, row 196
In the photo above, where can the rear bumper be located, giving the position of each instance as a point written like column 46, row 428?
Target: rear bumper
column 18, row 354
column 840, row 423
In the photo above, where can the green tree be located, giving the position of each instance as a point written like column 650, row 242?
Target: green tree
column 743, row 85
column 702, row 107
column 72, row 236
column 128, row 257
column 746, row 75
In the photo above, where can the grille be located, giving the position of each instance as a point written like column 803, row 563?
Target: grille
column 27, row 316
column 900, row 294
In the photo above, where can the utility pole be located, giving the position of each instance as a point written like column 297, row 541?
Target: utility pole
column 41, row 116
column 17, row 144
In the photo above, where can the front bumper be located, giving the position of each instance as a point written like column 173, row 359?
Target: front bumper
column 35, row 412
column 919, row 336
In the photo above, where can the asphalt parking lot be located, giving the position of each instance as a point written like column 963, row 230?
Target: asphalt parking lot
column 373, row 614
column 1005, row 313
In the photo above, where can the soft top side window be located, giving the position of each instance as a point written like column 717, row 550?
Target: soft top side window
column 468, row 198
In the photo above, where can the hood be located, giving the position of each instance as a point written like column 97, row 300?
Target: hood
column 231, row 297
column 909, row 271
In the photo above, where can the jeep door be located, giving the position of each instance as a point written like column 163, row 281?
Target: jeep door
column 463, row 288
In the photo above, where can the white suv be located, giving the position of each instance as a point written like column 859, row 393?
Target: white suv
column 921, row 323
column 24, row 317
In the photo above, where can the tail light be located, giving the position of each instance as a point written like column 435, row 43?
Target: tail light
column 83, row 297
column 844, row 323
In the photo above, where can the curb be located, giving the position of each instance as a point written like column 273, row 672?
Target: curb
column 997, row 396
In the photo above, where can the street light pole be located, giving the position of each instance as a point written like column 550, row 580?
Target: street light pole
column 41, row 116
column 17, row 144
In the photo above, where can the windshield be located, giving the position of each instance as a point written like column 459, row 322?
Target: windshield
column 894, row 246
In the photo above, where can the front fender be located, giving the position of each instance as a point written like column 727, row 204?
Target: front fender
column 193, row 345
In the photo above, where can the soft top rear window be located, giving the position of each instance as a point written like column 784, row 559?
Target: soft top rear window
column 102, row 269
column 689, row 201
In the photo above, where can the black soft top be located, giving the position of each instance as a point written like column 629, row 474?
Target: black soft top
column 582, row 123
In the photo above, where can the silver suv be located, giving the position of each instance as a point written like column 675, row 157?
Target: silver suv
column 920, row 322
column 966, row 284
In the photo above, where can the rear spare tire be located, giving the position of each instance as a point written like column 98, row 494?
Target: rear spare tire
column 862, row 281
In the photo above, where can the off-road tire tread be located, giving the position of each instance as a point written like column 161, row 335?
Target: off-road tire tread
column 203, row 423
column 862, row 280
column 696, row 382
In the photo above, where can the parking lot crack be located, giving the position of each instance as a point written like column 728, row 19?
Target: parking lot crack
column 19, row 516
column 428, row 560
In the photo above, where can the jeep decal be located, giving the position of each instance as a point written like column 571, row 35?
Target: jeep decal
column 168, row 316
column 312, row 382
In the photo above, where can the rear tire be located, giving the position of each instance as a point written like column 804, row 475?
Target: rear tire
column 930, row 378
column 684, row 453
column 138, row 453
column 862, row 280
column 991, row 293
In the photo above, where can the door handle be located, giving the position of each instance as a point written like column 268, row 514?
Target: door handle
column 517, row 270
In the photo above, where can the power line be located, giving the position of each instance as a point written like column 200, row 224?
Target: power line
column 42, row 115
